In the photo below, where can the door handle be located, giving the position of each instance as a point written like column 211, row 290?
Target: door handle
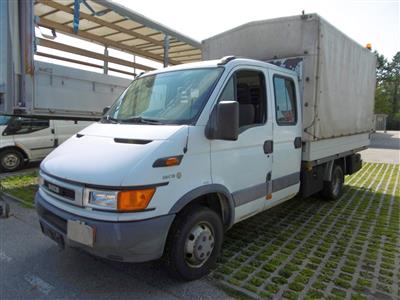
column 297, row 142
column 268, row 147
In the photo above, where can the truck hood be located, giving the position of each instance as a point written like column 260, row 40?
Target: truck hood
column 132, row 131
column 103, row 154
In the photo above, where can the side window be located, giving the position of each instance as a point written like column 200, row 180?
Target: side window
column 285, row 101
column 21, row 125
column 248, row 88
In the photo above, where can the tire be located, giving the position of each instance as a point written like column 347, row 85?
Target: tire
column 333, row 189
column 194, row 243
column 11, row 160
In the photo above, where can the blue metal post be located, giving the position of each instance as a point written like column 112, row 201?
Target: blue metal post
column 77, row 4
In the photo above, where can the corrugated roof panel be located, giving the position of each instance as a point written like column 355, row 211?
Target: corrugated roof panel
column 111, row 17
column 60, row 17
column 146, row 31
column 41, row 9
column 134, row 42
column 102, row 31
column 119, row 37
column 128, row 24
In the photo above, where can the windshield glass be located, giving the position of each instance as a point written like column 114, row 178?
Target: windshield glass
column 4, row 120
column 175, row 97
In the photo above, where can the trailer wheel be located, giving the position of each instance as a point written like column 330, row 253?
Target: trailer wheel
column 11, row 160
column 194, row 243
column 333, row 189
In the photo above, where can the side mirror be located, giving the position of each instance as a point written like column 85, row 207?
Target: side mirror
column 106, row 109
column 224, row 122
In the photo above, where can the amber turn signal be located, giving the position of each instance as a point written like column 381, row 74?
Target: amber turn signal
column 135, row 199
column 168, row 161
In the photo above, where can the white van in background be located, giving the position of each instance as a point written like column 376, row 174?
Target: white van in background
column 25, row 139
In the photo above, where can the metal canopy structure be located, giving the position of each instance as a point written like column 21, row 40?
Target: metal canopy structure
column 115, row 26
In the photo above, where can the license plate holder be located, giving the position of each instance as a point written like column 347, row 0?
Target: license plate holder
column 54, row 235
column 53, row 188
column 80, row 232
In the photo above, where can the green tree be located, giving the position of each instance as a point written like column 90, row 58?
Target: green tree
column 387, row 95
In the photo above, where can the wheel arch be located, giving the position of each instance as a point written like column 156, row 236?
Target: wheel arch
column 215, row 196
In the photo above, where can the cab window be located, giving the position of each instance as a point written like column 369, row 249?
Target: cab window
column 248, row 88
column 285, row 101
column 22, row 125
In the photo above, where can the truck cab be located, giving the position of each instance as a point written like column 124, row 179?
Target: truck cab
column 181, row 156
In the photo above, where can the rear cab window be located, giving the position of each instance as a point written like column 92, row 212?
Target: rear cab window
column 285, row 101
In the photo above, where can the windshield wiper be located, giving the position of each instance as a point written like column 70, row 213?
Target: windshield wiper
column 108, row 119
column 141, row 120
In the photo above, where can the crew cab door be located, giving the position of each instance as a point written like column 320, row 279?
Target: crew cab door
column 287, row 131
column 244, row 166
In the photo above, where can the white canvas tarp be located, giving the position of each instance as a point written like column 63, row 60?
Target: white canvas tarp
column 338, row 76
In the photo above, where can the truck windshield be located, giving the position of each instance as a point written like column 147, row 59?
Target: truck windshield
column 175, row 97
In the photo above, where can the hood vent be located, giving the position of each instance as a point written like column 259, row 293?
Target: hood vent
column 132, row 141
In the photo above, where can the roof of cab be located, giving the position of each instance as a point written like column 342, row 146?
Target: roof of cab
column 232, row 62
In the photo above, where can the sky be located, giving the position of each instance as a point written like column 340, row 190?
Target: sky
column 366, row 21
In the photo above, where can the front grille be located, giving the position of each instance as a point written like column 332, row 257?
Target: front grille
column 59, row 190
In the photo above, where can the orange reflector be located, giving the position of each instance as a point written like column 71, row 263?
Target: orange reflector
column 172, row 161
column 268, row 197
column 134, row 200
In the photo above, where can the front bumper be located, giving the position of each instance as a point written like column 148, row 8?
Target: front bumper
column 134, row 241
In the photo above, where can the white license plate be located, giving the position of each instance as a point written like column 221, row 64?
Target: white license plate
column 80, row 232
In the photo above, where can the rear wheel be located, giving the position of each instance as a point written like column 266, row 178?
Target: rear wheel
column 333, row 189
column 11, row 160
column 194, row 243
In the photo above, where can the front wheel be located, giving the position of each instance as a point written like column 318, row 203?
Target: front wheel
column 11, row 160
column 194, row 243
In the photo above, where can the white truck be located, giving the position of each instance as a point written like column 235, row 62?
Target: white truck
column 187, row 151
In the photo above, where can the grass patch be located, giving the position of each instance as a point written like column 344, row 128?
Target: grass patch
column 22, row 187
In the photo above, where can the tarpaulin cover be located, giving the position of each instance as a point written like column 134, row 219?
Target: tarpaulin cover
column 338, row 75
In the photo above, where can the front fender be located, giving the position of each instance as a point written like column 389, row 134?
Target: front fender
column 205, row 190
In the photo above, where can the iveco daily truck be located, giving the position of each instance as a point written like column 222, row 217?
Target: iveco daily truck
column 187, row 151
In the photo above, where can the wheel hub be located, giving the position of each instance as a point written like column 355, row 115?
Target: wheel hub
column 10, row 161
column 199, row 245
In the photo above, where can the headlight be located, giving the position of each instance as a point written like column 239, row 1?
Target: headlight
column 130, row 200
column 103, row 199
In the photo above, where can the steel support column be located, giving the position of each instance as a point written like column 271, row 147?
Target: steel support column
column 105, row 67
column 166, row 49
